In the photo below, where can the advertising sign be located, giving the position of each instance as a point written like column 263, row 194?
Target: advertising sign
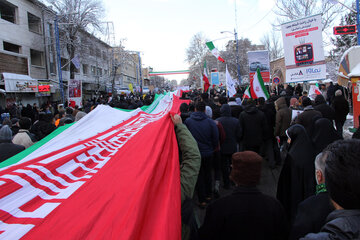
column 215, row 78
column 259, row 59
column 303, row 49
column 17, row 85
column 75, row 92
column 44, row 89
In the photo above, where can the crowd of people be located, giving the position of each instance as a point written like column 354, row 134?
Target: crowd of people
column 224, row 142
column 22, row 126
column 317, row 196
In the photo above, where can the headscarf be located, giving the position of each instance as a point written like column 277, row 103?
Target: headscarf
column 324, row 134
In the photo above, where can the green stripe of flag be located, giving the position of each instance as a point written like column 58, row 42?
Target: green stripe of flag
column 210, row 45
column 261, row 81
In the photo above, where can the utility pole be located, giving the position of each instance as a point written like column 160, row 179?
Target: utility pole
column 237, row 56
column 61, row 85
column 358, row 21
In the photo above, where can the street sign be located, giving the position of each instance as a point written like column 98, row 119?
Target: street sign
column 348, row 29
column 276, row 80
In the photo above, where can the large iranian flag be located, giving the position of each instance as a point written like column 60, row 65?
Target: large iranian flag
column 112, row 175
column 257, row 87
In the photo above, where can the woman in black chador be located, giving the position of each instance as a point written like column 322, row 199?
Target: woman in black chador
column 297, row 178
column 324, row 134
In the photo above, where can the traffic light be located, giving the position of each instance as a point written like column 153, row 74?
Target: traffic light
column 341, row 30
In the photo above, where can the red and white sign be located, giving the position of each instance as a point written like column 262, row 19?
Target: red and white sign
column 303, row 49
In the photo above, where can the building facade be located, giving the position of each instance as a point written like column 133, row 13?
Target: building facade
column 28, row 56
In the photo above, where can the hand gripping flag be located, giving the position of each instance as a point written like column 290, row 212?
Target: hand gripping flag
column 214, row 51
column 257, row 87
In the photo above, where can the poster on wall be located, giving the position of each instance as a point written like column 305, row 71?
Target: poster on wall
column 303, row 49
column 259, row 59
column 75, row 92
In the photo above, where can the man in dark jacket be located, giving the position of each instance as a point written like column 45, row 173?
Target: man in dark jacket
column 283, row 119
column 341, row 107
column 308, row 117
column 44, row 126
column 253, row 126
column 247, row 213
column 7, row 148
column 321, row 106
column 313, row 211
column 342, row 171
column 229, row 146
column 206, row 134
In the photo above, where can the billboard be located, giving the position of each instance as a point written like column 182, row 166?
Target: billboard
column 75, row 92
column 303, row 49
column 259, row 59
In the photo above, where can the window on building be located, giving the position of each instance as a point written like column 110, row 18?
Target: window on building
column 92, row 52
column 34, row 23
column 85, row 69
column 12, row 47
column 52, row 68
column 98, row 53
column 99, row 72
column 64, row 64
column 37, row 58
column 93, row 70
column 104, row 55
column 8, row 11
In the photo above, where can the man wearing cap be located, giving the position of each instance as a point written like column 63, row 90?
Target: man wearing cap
column 247, row 213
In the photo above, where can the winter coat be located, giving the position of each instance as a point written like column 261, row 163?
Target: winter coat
column 24, row 138
column 9, row 149
column 41, row 129
column 235, row 109
column 270, row 114
column 204, row 131
column 253, row 126
column 311, row 215
column 297, row 181
column 189, row 170
column 324, row 133
column 232, row 130
column 307, row 119
column 341, row 107
column 321, row 106
column 341, row 224
column 246, row 214
column 283, row 117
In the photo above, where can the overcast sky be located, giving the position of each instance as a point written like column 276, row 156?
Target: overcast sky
column 162, row 29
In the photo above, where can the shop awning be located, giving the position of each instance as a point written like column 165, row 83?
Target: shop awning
column 19, row 83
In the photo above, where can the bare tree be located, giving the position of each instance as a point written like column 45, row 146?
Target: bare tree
column 197, row 49
column 294, row 9
column 272, row 43
column 76, row 16
column 195, row 55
